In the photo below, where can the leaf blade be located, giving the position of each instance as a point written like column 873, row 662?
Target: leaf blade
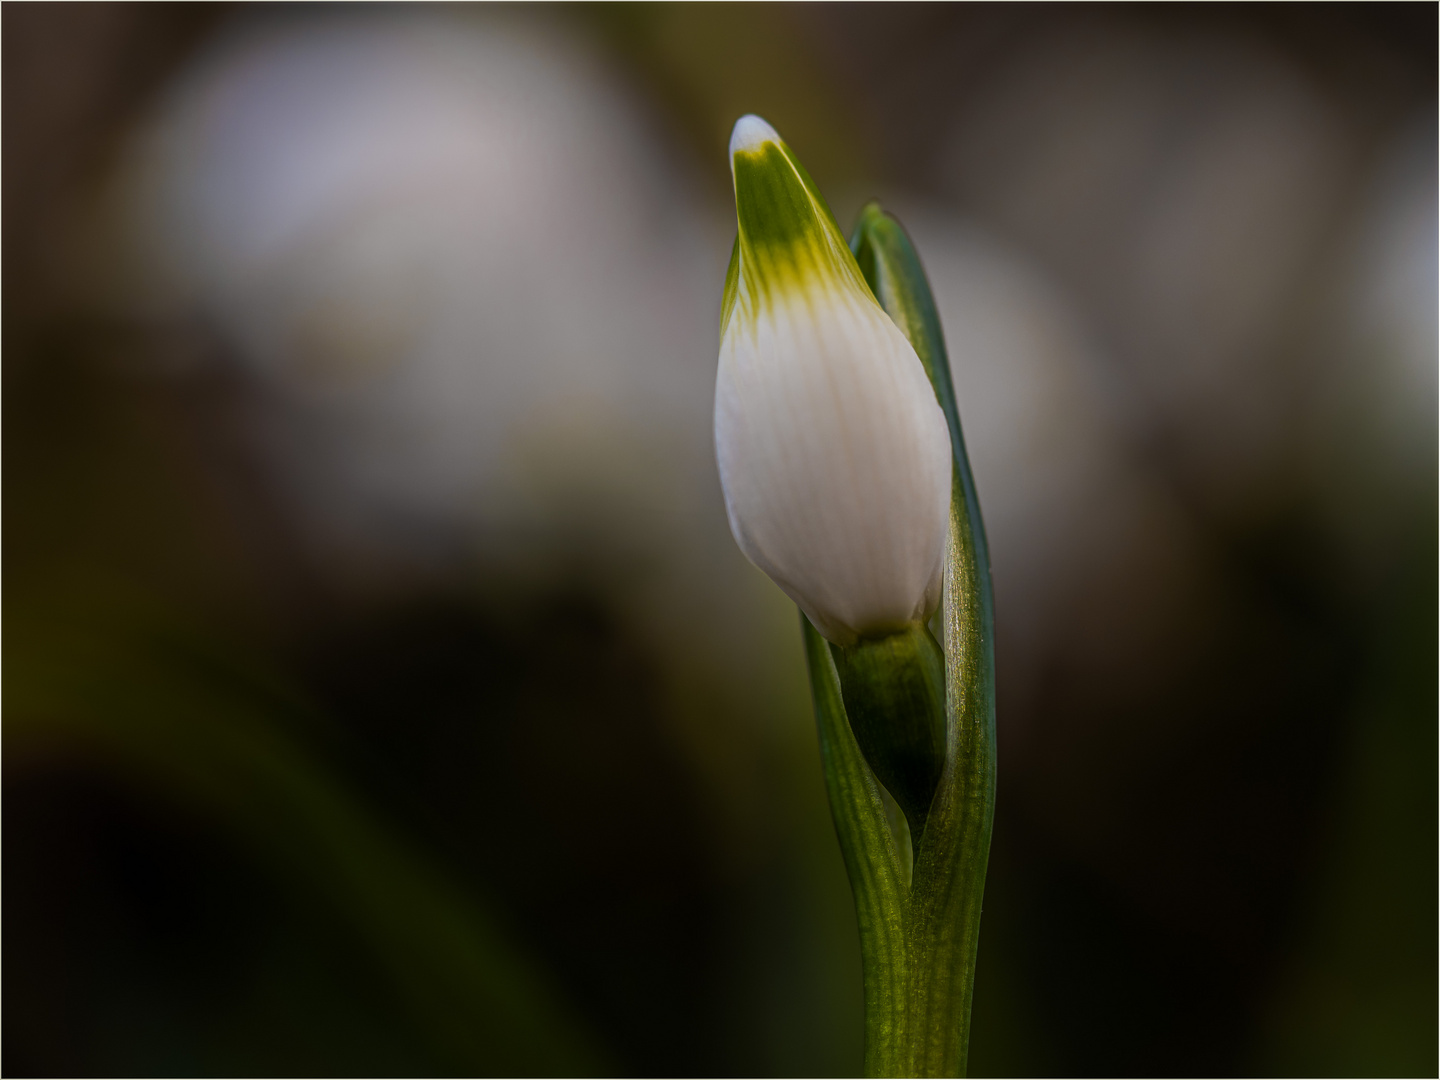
column 951, row 860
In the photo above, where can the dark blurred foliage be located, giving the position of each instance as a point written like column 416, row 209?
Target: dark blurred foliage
column 255, row 824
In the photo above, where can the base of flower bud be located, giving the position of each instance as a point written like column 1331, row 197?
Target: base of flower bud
column 894, row 693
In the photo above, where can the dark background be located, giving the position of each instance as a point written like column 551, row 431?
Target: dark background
column 384, row 691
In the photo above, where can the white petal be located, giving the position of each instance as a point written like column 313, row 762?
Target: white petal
column 835, row 460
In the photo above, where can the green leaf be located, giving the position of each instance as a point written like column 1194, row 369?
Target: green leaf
column 920, row 1028
column 951, row 858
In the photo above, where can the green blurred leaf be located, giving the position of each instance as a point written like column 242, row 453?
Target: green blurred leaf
column 105, row 673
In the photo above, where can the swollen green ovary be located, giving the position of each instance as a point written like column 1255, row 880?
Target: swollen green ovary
column 894, row 692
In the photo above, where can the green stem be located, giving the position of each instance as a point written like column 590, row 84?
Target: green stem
column 919, row 945
column 871, row 860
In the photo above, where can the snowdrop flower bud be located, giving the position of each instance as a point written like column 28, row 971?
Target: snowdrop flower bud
column 834, row 454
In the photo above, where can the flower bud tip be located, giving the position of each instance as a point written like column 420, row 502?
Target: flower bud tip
column 751, row 133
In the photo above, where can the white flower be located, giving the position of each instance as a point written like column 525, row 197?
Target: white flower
column 833, row 451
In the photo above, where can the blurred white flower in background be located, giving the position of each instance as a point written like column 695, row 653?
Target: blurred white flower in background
column 1195, row 318
column 1091, row 555
column 1372, row 439
column 1184, row 187
column 472, row 278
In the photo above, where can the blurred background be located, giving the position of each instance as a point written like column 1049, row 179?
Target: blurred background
column 385, row 693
